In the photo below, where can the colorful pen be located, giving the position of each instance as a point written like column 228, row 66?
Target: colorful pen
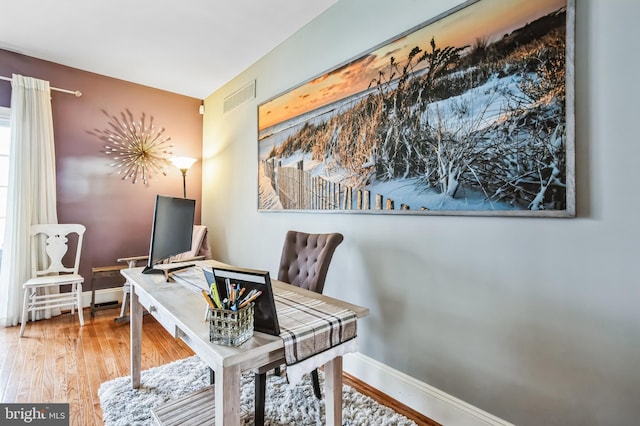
column 251, row 299
column 208, row 299
column 215, row 295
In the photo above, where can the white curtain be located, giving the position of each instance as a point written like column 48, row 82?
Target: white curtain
column 31, row 196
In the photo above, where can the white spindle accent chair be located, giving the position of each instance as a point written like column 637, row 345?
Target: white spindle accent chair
column 52, row 239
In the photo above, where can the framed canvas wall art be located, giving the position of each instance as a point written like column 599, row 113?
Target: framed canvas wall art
column 469, row 113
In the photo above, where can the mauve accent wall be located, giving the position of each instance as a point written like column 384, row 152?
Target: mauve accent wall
column 117, row 213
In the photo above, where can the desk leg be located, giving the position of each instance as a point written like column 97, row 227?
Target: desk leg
column 333, row 391
column 135, row 324
column 227, row 387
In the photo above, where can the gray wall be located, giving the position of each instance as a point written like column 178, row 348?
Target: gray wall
column 533, row 320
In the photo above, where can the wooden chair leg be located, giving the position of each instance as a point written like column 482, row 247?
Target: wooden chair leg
column 74, row 291
column 261, row 387
column 93, row 297
column 79, row 302
column 316, row 384
column 25, row 310
column 124, row 309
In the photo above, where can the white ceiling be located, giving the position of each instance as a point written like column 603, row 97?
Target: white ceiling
column 191, row 47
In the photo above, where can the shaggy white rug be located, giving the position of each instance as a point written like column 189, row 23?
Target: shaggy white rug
column 285, row 404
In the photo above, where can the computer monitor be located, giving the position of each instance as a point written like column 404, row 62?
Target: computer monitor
column 172, row 229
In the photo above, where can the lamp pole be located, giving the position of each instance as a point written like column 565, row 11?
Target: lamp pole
column 184, row 182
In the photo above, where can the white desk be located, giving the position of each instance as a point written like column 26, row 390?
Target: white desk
column 180, row 311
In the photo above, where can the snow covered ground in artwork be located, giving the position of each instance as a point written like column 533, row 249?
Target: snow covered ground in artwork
column 471, row 111
column 401, row 191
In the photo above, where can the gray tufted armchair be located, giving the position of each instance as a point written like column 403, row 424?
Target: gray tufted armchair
column 306, row 257
column 304, row 263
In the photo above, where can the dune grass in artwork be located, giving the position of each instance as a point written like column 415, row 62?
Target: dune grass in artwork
column 441, row 120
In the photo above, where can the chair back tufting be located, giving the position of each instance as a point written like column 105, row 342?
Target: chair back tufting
column 306, row 257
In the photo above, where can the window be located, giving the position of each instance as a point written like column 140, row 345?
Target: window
column 4, row 169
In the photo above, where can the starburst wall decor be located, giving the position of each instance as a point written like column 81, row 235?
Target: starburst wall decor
column 139, row 150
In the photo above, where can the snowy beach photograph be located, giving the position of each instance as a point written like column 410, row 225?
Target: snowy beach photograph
column 470, row 113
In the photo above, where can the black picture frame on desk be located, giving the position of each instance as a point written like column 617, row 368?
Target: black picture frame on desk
column 265, row 317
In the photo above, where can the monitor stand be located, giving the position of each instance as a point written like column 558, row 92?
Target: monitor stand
column 151, row 270
column 167, row 269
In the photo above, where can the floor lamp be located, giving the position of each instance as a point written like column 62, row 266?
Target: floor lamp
column 183, row 163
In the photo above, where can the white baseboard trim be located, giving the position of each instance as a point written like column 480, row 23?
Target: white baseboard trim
column 432, row 402
column 105, row 295
column 426, row 399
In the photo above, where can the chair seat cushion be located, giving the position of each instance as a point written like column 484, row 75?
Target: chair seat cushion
column 53, row 280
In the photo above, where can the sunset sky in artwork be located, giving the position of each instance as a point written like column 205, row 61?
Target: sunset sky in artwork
column 486, row 19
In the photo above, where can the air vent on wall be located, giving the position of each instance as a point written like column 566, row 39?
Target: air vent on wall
column 240, row 96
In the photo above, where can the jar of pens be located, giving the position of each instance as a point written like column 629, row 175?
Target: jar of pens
column 230, row 319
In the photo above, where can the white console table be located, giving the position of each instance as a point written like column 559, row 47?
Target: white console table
column 180, row 309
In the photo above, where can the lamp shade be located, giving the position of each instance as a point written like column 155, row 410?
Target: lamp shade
column 183, row 163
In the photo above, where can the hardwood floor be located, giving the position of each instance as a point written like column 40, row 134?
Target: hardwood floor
column 59, row 361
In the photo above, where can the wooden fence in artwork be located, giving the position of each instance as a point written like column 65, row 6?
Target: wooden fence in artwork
column 299, row 190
